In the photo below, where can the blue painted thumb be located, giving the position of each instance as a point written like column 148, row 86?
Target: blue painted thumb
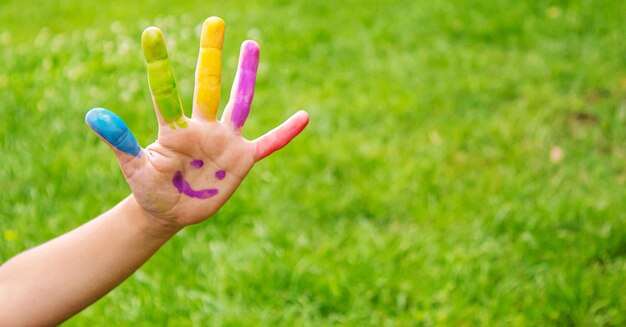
column 113, row 129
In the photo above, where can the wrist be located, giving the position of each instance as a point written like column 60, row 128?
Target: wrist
column 148, row 224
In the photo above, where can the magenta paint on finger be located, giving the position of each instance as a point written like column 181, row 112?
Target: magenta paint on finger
column 184, row 187
column 220, row 174
column 245, row 84
column 197, row 163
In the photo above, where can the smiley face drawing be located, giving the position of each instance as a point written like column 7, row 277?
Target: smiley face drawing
column 183, row 186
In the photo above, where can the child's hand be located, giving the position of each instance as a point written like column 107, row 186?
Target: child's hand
column 196, row 163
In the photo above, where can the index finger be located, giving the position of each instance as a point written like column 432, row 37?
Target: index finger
column 161, row 78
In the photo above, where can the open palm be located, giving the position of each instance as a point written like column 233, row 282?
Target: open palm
column 196, row 163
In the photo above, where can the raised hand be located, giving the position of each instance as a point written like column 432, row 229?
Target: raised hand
column 196, row 163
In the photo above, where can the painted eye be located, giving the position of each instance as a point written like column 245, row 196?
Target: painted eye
column 197, row 163
column 220, row 174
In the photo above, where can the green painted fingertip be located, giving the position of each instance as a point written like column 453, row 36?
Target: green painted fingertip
column 153, row 44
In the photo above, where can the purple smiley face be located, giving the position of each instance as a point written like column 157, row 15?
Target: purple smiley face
column 183, row 186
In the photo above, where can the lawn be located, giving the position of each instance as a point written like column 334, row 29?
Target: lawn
column 465, row 163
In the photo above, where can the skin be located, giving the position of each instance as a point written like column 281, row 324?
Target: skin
column 170, row 190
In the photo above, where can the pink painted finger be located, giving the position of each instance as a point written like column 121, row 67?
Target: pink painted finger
column 243, row 88
column 279, row 137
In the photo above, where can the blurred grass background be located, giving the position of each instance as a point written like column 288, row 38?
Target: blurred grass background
column 464, row 165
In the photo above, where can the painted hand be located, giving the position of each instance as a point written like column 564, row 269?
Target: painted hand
column 196, row 163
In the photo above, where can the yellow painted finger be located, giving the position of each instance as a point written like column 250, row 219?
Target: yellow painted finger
column 209, row 69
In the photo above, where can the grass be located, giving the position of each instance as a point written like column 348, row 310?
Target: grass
column 422, row 193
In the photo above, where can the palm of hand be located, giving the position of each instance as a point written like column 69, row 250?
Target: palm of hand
column 196, row 163
column 186, row 179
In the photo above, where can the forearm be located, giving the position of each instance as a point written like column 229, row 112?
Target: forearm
column 52, row 282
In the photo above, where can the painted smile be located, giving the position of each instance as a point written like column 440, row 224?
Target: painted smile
column 184, row 187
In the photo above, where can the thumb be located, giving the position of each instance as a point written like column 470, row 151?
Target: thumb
column 114, row 132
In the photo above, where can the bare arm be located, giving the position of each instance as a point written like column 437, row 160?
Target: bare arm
column 49, row 283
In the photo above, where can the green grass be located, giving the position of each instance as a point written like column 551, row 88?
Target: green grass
column 422, row 192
